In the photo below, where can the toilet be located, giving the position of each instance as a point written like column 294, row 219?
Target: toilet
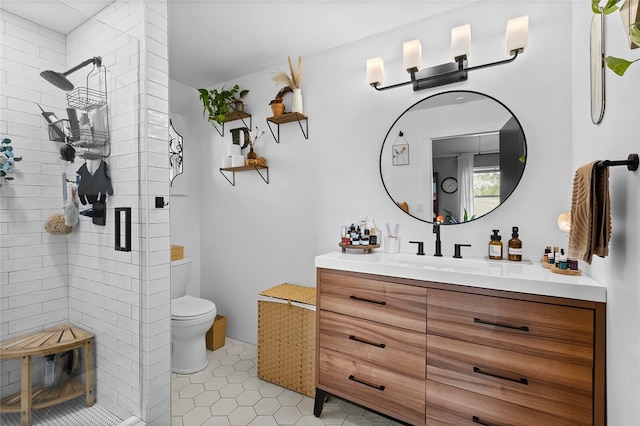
column 191, row 318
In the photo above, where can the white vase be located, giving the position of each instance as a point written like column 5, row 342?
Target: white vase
column 297, row 101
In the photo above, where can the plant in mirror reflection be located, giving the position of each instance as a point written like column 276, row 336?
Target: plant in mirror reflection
column 617, row 65
column 7, row 160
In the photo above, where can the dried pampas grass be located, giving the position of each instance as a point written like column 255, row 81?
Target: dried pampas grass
column 294, row 80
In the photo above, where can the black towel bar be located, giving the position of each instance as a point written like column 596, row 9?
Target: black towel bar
column 631, row 162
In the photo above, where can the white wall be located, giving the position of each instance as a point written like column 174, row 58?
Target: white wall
column 615, row 138
column 255, row 236
column 185, row 211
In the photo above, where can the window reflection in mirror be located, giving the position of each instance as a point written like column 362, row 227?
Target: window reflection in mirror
column 468, row 154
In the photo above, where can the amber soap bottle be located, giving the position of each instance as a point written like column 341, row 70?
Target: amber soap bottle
column 495, row 246
column 515, row 246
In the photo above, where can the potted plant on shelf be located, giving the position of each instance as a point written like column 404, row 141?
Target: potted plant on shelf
column 218, row 103
column 293, row 82
column 277, row 106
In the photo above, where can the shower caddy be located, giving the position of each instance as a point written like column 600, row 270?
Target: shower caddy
column 90, row 135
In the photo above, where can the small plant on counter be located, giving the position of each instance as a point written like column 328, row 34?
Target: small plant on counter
column 617, row 65
column 218, row 103
column 7, row 160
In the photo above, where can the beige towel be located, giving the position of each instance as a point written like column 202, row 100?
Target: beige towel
column 590, row 213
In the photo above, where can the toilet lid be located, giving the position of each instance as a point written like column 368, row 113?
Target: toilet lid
column 189, row 306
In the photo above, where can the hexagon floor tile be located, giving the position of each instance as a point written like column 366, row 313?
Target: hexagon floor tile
column 230, row 389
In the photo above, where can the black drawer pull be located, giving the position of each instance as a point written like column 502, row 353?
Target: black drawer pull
column 476, row 419
column 521, row 380
column 495, row 324
column 379, row 345
column 379, row 387
column 360, row 299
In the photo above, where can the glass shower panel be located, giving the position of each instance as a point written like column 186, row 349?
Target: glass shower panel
column 76, row 277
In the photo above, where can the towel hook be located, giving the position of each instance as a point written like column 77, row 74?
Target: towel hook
column 631, row 162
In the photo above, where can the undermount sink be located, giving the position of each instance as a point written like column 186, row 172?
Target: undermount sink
column 430, row 261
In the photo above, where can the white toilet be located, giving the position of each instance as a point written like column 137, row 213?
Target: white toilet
column 191, row 318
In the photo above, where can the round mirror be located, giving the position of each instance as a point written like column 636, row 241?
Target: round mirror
column 456, row 154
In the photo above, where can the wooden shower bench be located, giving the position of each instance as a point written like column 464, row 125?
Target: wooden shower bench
column 54, row 340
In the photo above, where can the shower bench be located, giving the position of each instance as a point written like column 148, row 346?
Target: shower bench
column 54, row 340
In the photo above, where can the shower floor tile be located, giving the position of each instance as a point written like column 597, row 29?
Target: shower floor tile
column 229, row 387
column 70, row 413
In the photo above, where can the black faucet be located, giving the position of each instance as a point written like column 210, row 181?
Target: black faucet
column 436, row 230
column 456, row 250
column 420, row 247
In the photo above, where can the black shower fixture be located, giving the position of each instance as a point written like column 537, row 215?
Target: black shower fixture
column 60, row 79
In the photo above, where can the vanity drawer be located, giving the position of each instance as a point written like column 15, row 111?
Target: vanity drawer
column 559, row 332
column 450, row 406
column 389, row 303
column 392, row 393
column 558, row 388
column 390, row 347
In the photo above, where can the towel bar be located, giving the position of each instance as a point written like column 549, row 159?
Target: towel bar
column 631, row 162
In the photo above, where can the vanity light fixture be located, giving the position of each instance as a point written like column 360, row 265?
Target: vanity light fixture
column 451, row 72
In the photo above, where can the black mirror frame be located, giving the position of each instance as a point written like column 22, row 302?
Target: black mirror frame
column 429, row 97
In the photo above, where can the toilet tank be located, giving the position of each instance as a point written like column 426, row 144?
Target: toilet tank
column 180, row 270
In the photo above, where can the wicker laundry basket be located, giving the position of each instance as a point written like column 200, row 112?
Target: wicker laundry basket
column 287, row 337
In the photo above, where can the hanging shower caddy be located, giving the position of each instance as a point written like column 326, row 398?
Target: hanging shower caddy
column 87, row 126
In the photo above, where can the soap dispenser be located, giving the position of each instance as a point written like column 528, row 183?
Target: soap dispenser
column 495, row 246
column 515, row 246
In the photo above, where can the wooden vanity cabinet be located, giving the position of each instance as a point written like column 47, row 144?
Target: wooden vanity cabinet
column 439, row 354
column 371, row 344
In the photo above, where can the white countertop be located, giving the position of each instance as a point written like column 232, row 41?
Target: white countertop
column 523, row 277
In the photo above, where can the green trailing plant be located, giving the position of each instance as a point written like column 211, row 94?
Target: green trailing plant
column 7, row 160
column 217, row 103
column 617, row 65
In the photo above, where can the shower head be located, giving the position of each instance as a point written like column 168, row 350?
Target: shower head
column 60, row 79
column 57, row 79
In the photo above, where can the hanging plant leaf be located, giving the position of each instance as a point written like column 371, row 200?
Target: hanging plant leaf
column 6, row 141
column 618, row 65
column 634, row 33
column 610, row 7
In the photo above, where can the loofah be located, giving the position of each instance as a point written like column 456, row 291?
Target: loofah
column 55, row 225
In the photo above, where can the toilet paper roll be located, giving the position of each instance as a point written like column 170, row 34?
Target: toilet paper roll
column 226, row 162
column 237, row 160
column 233, row 149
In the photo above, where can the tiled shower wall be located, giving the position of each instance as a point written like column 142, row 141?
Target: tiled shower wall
column 34, row 274
column 122, row 297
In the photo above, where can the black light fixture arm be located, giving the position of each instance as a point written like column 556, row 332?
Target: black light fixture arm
column 440, row 75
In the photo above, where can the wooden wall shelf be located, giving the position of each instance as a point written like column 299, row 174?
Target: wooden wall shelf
column 233, row 116
column 289, row 118
column 233, row 171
